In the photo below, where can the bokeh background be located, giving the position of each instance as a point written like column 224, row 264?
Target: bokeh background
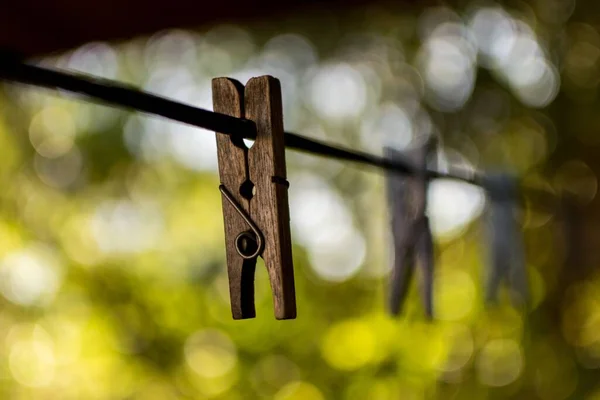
column 112, row 264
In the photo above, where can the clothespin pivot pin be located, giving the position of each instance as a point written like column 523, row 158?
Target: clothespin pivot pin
column 249, row 244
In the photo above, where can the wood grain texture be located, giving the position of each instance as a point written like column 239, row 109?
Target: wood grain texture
column 269, row 207
column 228, row 98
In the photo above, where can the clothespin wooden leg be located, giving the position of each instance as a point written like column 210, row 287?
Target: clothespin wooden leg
column 228, row 98
column 426, row 261
column 498, row 268
column 255, row 202
column 270, row 207
column 426, row 157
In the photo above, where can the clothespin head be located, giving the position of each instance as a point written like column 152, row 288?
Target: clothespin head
column 413, row 242
column 254, row 195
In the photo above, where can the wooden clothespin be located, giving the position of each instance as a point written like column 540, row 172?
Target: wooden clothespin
column 506, row 252
column 413, row 242
column 254, row 194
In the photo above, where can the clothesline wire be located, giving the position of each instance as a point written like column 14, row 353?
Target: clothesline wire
column 126, row 96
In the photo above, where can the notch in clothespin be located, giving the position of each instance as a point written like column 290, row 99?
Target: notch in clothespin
column 506, row 250
column 413, row 241
column 254, row 194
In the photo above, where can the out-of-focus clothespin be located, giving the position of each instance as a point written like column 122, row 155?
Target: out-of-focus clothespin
column 570, row 220
column 412, row 238
column 254, row 193
column 576, row 252
column 505, row 239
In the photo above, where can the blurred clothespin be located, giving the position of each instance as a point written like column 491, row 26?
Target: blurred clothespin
column 506, row 249
column 571, row 234
column 254, row 194
column 413, row 242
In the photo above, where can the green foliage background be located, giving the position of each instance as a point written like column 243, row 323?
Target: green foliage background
column 112, row 264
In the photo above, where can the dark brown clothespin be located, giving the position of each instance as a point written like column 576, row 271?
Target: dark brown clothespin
column 506, row 252
column 254, row 193
column 413, row 242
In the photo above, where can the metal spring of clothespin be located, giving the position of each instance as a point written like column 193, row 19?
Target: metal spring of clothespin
column 506, row 252
column 412, row 238
column 254, row 191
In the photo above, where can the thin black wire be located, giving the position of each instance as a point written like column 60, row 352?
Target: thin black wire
column 122, row 95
